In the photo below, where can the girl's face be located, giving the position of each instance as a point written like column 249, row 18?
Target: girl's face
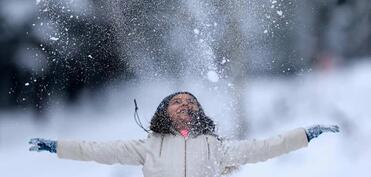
column 179, row 108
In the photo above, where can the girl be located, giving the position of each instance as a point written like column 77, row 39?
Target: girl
column 182, row 143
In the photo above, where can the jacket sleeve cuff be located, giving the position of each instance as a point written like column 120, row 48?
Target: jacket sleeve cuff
column 68, row 150
column 298, row 137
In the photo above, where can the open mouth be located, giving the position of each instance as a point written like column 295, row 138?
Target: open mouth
column 184, row 111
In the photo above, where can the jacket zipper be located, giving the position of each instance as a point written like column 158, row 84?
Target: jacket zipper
column 185, row 157
column 162, row 140
column 208, row 148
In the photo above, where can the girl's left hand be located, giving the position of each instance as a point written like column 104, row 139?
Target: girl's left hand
column 315, row 130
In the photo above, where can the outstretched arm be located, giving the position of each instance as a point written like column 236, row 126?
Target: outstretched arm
column 124, row 152
column 252, row 151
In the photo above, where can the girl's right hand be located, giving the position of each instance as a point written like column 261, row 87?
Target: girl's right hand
column 39, row 144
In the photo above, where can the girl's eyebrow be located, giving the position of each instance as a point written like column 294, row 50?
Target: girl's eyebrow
column 175, row 99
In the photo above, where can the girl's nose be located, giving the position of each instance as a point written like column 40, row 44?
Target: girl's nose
column 185, row 103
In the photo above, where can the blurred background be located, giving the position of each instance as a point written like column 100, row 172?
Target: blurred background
column 70, row 69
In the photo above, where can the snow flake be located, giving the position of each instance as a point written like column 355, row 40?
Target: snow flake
column 196, row 31
column 90, row 56
column 279, row 12
column 223, row 61
column 54, row 38
column 26, row 84
column 265, row 31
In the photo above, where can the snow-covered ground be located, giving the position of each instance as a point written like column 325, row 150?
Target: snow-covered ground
column 273, row 105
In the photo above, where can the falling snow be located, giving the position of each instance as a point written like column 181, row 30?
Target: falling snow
column 54, row 38
column 196, row 31
column 155, row 40
column 279, row 12
column 212, row 76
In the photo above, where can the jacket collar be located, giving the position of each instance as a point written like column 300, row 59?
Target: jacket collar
column 191, row 134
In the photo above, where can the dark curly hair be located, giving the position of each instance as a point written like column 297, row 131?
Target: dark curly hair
column 200, row 123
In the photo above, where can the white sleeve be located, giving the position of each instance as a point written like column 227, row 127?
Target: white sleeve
column 130, row 152
column 251, row 151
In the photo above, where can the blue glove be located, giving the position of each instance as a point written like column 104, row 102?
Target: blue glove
column 39, row 144
column 315, row 130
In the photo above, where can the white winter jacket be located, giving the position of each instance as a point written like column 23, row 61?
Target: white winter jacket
column 176, row 156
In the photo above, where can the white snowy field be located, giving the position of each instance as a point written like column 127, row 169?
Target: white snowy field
column 274, row 105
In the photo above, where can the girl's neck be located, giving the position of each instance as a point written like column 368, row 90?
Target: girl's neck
column 184, row 132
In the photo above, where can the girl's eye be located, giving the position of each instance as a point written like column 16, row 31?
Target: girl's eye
column 192, row 101
column 176, row 101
